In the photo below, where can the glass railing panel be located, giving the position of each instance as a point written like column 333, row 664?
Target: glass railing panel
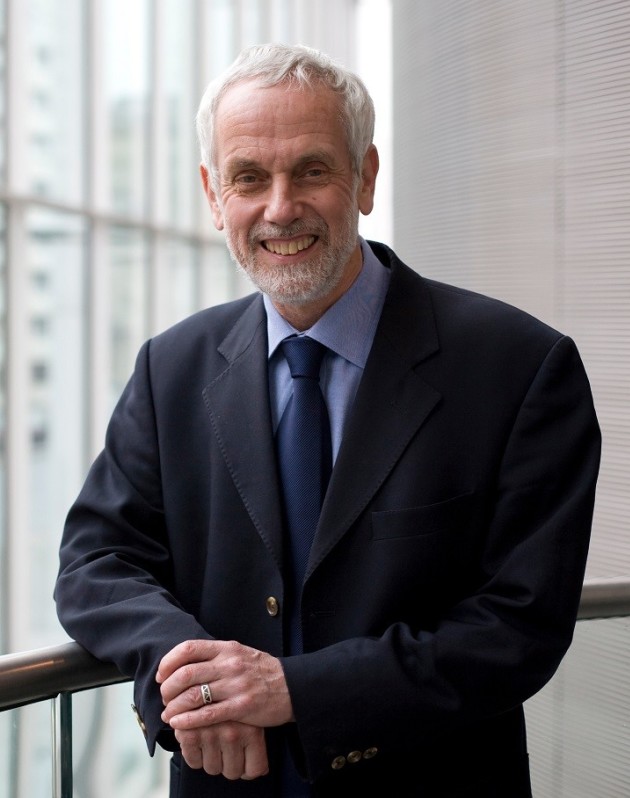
column 7, row 724
column 109, row 752
column 26, row 751
column 579, row 724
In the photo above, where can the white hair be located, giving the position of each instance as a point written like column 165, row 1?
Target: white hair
column 274, row 64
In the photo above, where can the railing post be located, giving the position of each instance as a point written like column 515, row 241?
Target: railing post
column 62, row 775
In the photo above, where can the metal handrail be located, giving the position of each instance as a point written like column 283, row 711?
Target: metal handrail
column 40, row 674
column 45, row 673
column 605, row 598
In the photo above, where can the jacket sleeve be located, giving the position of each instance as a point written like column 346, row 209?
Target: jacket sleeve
column 114, row 587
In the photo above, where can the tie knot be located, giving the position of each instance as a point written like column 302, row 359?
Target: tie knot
column 304, row 356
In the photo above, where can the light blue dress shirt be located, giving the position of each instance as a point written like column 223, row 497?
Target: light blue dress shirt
column 347, row 329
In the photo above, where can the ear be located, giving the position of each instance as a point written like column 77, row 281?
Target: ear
column 215, row 207
column 367, row 184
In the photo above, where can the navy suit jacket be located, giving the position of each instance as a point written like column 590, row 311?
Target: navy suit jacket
column 444, row 580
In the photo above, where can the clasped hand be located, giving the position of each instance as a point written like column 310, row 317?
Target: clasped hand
column 249, row 693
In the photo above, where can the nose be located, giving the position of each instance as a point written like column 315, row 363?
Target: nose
column 283, row 205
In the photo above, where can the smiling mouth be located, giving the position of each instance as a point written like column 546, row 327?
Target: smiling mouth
column 279, row 247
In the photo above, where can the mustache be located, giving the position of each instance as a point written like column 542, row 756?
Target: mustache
column 263, row 230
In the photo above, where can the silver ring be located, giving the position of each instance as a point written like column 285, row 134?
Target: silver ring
column 206, row 695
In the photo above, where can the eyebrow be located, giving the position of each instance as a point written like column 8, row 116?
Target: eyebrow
column 242, row 163
column 316, row 155
column 249, row 163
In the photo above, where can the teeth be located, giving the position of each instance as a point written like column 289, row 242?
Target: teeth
column 289, row 247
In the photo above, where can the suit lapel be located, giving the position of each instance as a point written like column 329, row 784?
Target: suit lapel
column 391, row 405
column 238, row 403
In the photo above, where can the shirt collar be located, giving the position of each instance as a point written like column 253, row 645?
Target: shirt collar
column 349, row 325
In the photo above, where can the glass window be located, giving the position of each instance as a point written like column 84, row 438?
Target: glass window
column 126, row 31
column 180, row 88
column 101, row 129
column 55, row 103
column 3, row 469
column 128, row 262
column 56, row 352
column 220, row 36
column 179, row 296
column 219, row 277
column 252, row 22
column 3, row 132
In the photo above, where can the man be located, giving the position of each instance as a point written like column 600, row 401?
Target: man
column 441, row 587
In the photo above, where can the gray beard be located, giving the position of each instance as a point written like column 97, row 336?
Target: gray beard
column 307, row 282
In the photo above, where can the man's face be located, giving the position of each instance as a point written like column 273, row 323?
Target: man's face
column 287, row 196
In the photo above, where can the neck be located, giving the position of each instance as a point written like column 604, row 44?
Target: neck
column 303, row 315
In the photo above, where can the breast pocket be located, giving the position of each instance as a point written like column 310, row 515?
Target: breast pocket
column 430, row 554
column 452, row 515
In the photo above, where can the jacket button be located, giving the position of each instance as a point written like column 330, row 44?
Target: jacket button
column 338, row 762
column 370, row 752
column 354, row 756
column 141, row 723
column 272, row 606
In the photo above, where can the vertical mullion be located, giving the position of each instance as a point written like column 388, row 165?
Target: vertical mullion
column 157, row 206
column 17, row 386
column 156, row 157
column 61, row 734
column 17, row 428
column 202, row 77
column 17, row 451
column 97, row 284
column 16, row 96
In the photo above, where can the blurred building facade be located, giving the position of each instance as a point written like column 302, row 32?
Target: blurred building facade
column 511, row 177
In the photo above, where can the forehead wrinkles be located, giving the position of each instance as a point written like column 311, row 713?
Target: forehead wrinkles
column 255, row 121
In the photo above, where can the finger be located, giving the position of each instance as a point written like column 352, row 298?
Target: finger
column 186, row 684
column 228, row 709
column 192, row 757
column 232, row 753
column 212, row 759
column 256, row 762
column 190, row 651
column 204, row 717
column 191, row 699
column 192, row 753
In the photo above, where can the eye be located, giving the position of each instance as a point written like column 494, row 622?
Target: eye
column 248, row 182
column 314, row 174
column 246, row 179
